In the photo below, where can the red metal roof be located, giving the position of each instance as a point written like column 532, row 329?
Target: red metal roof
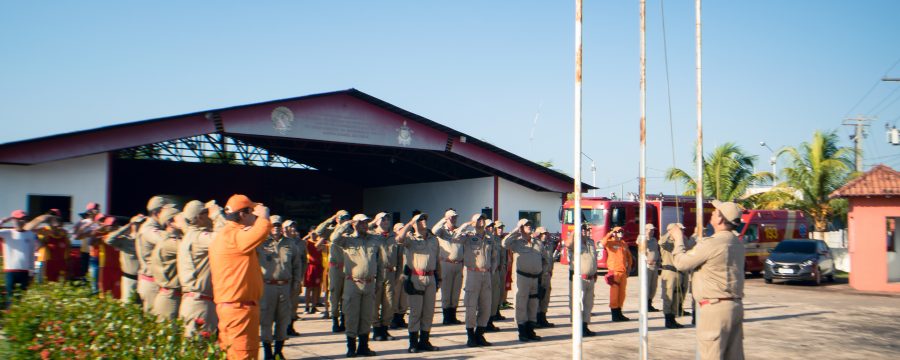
column 881, row 180
column 351, row 105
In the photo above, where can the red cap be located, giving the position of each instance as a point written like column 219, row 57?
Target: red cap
column 99, row 217
column 109, row 220
column 18, row 214
column 92, row 206
column 238, row 202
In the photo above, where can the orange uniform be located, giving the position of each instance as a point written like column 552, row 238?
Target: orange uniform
column 238, row 286
column 618, row 262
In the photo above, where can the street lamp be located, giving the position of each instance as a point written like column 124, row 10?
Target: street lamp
column 772, row 160
column 593, row 174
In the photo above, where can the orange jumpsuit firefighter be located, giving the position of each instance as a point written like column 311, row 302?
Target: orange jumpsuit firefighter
column 237, row 277
column 618, row 262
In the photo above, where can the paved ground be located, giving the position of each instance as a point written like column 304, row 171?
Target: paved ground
column 782, row 321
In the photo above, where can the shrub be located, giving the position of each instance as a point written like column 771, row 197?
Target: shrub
column 64, row 321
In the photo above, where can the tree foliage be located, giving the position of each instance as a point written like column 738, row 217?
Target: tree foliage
column 727, row 173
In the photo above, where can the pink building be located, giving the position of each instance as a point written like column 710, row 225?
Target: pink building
column 873, row 237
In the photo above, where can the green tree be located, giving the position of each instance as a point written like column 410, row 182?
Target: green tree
column 818, row 168
column 727, row 173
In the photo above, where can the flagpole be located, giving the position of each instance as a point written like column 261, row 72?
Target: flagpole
column 576, row 232
column 642, row 238
column 699, row 181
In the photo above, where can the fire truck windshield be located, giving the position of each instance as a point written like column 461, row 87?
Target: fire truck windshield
column 595, row 217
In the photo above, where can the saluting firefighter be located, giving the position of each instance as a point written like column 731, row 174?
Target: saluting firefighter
column 588, row 272
column 291, row 233
column 652, row 253
column 150, row 233
column 494, row 243
column 164, row 266
column 451, row 266
column 498, row 278
column 618, row 264
column 671, row 280
column 363, row 268
column 543, row 236
column 282, row 272
column 717, row 283
column 478, row 261
column 529, row 266
column 193, row 266
column 422, row 277
column 335, row 268
column 386, row 289
column 401, row 299
column 123, row 239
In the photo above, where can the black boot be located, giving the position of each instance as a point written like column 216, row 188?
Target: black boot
column 413, row 343
column 279, row 345
column 376, row 334
column 523, row 333
column 341, row 325
column 585, row 331
column 531, row 335
column 542, row 321
column 291, row 331
column 424, row 344
column 363, row 349
column 446, row 320
column 650, row 307
column 671, row 323
column 351, row 347
column 335, row 326
column 267, row 351
column 479, row 336
column 402, row 322
column 453, row 318
column 395, row 322
column 490, row 326
column 617, row 315
column 470, row 338
column 386, row 334
column 499, row 316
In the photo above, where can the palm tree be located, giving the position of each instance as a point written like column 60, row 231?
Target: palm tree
column 817, row 169
column 727, row 173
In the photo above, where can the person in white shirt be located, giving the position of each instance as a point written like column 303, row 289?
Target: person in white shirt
column 18, row 253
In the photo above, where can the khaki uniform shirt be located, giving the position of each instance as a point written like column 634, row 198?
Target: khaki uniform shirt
column 325, row 230
column 422, row 253
column 164, row 265
column 477, row 252
column 528, row 252
column 588, row 257
column 547, row 254
column 280, row 260
column 390, row 253
column 150, row 234
column 193, row 261
column 361, row 254
column 652, row 253
column 123, row 242
column 450, row 249
column 718, row 265
column 666, row 247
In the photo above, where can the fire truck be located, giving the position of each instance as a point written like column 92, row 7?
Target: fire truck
column 762, row 230
column 604, row 213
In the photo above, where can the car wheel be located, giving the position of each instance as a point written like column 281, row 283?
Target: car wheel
column 818, row 277
column 768, row 281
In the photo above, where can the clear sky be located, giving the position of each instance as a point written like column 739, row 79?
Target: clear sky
column 774, row 70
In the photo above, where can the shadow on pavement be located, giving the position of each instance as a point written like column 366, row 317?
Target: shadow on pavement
column 789, row 316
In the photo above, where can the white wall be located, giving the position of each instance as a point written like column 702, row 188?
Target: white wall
column 514, row 198
column 467, row 197
column 83, row 178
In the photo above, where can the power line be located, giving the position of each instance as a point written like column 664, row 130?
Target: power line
column 870, row 89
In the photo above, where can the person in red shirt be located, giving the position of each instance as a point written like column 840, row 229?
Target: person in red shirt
column 237, row 277
column 315, row 269
column 618, row 262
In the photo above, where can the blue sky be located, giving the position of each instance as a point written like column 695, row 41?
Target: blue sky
column 774, row 71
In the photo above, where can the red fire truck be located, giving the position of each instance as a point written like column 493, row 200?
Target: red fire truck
column 762, row 230
column 604, row 214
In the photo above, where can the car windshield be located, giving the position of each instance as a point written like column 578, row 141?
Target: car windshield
column 594, row 217
column 802, row 247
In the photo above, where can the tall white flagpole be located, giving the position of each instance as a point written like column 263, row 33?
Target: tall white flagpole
column 576, row 232
column 699, row 181
column 642, row 238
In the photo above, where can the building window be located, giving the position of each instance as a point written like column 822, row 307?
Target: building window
column 41, row 204
column 533, row 216
column 892, row 235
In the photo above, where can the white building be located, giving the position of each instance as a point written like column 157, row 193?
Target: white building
column 304, row 157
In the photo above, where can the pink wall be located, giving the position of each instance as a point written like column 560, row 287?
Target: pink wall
column 868, row 249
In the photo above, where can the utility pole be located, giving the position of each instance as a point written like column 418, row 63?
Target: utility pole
column 860, row 122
